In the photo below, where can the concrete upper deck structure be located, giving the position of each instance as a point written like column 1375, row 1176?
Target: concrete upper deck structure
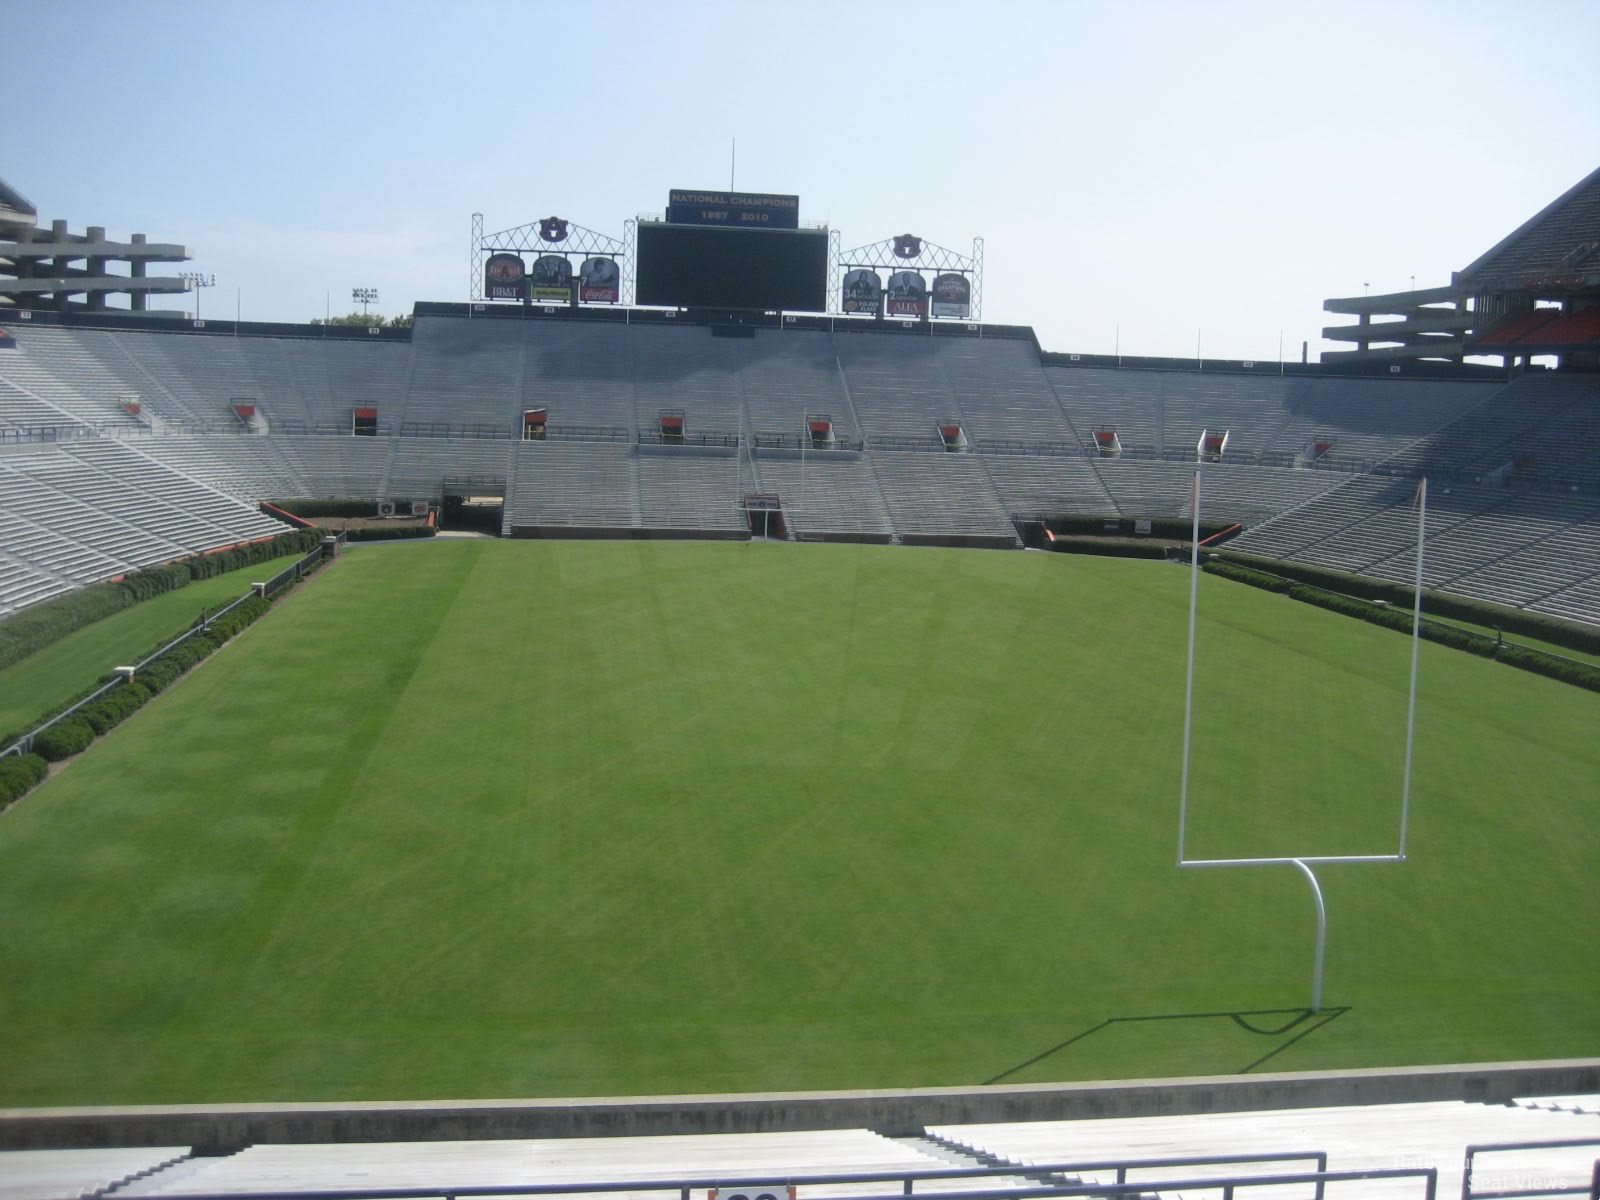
column 1550, row 264
column 51, row 268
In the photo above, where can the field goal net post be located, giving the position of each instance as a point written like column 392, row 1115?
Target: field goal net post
column 1301, row 862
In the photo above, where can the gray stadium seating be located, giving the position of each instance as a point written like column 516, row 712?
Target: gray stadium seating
column 1515, row 467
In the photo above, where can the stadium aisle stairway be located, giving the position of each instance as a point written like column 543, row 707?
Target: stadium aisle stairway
column 69, row 1174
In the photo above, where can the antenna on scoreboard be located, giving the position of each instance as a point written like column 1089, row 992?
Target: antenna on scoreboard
column 733, row 160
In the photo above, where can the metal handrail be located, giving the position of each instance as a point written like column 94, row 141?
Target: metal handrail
column 1226, row 1184
column 1592, row 1188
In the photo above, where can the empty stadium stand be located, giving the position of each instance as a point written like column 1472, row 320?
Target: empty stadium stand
column 1317, row 467
column 95, row 508
column 1384, row 1151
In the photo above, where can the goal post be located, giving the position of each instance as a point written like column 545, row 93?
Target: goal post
column 1301, row 862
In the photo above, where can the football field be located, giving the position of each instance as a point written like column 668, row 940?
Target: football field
column 486, row 819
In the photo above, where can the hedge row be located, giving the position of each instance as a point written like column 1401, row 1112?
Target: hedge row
column 1172, row 528
column 18, row 774
column 297, row 541
column 384, row 533
column 37, row 627
column 1442, row 604
column 329, row 508
column 1243, row 574
column 1111, row 546
column 1400, row 619
column 158, row 676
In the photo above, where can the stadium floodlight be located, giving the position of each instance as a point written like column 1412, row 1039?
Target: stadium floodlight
column 194, row 281
column 364, row 296
column 1301, row 862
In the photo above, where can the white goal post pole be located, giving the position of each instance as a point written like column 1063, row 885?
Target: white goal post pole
column 1188, row 686
column 1416, row 647
column 1322, row 935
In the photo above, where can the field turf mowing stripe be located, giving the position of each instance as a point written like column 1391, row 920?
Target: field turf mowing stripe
column 534, row 819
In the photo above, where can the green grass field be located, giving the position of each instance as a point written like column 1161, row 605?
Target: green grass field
column 495, row 819
column 61, row 671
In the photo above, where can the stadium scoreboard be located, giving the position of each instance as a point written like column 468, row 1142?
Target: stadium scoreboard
column 732, row 250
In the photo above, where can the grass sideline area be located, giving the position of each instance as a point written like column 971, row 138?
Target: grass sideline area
column 55, row 674
column 507, row 819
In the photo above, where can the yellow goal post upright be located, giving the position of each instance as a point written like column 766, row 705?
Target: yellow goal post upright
column 1301, row 862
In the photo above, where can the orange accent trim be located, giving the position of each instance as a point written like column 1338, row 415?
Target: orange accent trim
column 1222, row 533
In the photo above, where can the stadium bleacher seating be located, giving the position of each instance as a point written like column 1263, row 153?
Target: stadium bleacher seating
column 1366, row 1137
column 1316, row 466
column 1557, row 1140
column 553, row 1161
column 90, row 509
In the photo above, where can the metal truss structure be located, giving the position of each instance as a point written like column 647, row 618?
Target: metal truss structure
column 906, row 253
column 552, row 235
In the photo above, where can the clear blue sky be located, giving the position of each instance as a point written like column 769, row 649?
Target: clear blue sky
column 1171, row 167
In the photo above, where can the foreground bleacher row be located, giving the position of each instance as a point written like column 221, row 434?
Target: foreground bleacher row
column 1318, row 468
column 1148, row 1156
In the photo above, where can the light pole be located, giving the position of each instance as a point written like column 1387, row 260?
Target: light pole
column 196, row 281
column 364, row 296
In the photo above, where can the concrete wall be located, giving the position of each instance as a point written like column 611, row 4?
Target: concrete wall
column 228, row 1127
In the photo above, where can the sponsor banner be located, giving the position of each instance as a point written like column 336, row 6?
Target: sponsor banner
column 599, row 281
column 504, row 277
column 551, row 279
column 952, row 296
column 739, row 210
column 908, row 294
column 863, row 292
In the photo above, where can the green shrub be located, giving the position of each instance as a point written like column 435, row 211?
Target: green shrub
column 225, row 627
column 18, row 774
column 294, row 541
column 153, row 581
column 1569, row 634
column 1401, row 619
column 157, row 675
column 115, row 707
column 1566, row 670
column 64, row 739
column 383, row 533
column 1111, row 546
column 353, row 507
column 1243, row 574
column 1172, row 528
